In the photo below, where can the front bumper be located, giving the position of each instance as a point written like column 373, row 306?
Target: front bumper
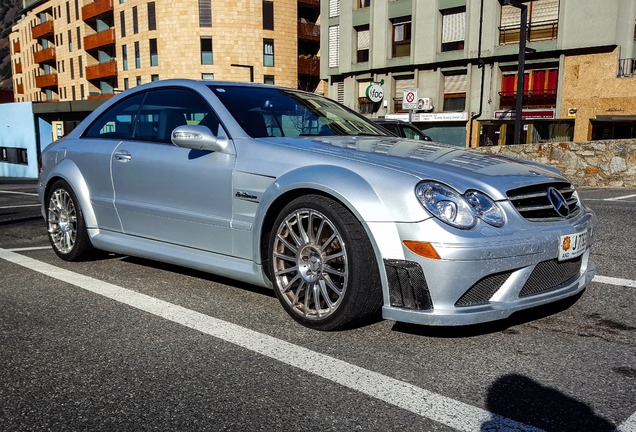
column 485, row 275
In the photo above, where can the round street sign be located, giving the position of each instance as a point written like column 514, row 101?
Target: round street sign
column 375, row 93
column 409, row 99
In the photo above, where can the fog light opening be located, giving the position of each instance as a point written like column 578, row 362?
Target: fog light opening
column 423, row 249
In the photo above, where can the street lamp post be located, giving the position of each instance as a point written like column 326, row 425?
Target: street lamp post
column 523, row 29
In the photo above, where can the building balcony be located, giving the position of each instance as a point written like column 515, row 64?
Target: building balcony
column 44, row 81
column 309, row 31
column 531, row 99
column 102, row 70
column 41, row 30
column 536, row 31
column 96, row 9
column 19, row 89
column 309, row 66
column 100, row 39
column 18, row 68
column 101, row 96
column 16, row 47
column 46, row 55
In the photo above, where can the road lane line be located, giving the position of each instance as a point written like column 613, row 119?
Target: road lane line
column 615, row 281
column 27, row 249
column 18, row 193
column 401, row 394
column 628, row 425
column 620, row 198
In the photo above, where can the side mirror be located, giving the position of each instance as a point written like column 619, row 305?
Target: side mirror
column 198, row 137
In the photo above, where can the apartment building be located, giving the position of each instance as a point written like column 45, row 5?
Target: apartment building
column 73, row 50
column 451, row 66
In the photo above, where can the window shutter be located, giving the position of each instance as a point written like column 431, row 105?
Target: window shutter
column 510, row 16
column 453, row 27
column 544, row 10
column 334, row 8
column 340, row 92
column 455, row 84
column 402, row 84
column 205, row 13
column 363, row 39
column 334, row 46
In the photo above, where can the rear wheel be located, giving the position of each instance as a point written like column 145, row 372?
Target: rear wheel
column 322, row 264
column 65, row 223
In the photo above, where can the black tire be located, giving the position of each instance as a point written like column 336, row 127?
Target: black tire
column 322, row 265
column 65, row 224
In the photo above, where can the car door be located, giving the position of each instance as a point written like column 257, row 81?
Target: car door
column 93, row 154
column 168, row 193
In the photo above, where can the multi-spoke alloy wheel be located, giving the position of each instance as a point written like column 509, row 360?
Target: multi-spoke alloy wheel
column 65, row 223
column 318, row 268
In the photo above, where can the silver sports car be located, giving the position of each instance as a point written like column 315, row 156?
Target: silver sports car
column 291, row 190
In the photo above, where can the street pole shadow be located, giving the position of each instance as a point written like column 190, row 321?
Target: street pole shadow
column 521, row 399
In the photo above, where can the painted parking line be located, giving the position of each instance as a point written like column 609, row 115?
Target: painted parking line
column 620, row 198
column 18, row 193
column 615, row 281
column 19, row 206
column 401, row 394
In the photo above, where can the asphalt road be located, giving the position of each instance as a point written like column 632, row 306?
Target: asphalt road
column 124, row 344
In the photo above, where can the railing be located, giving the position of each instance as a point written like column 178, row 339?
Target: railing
column 308, row 65
column 44, row 56
column 102, row 70
column 44, row 81
column 16, row 47
column 96, row 9
column 20, row 89
column 18, row 68
column 43, row 29
column 100, row 39
column 537, row 31
column 309, row 31
column 626, row 68
column 534, row 98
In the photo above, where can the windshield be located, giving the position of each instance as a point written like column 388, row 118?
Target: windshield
column 277, row 112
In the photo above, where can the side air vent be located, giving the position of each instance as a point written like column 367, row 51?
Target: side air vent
column 407, row 285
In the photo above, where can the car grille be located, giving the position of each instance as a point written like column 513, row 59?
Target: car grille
column 532, row 202
column 551, row 274
column 407, row 285
column 482, row 291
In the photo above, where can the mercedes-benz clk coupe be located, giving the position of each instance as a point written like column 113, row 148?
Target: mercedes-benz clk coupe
column 291, row 190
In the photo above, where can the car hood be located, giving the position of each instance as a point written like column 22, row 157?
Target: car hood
column 461, row 168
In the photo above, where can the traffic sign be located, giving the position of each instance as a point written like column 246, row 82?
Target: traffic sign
column 409, row 99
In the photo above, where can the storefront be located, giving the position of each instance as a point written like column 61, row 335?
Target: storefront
column 448, row 128
column 539, row 126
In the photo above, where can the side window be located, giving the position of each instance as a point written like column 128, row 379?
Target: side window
column 391, row 128
column 118, row 121
column 165, row 109
column 412, row 133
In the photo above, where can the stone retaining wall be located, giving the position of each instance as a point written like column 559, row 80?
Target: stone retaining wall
column 609, row 163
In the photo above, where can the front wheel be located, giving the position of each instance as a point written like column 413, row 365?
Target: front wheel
column 65, row 223
column 322, row 264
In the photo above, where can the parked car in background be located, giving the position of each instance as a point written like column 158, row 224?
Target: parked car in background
column 291, row 190
column 402, row 129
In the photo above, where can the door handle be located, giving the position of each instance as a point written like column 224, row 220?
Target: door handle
column 123, row 156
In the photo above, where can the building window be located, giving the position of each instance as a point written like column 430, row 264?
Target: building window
column 79, row 38
column 207, row 57
column 455, row 92
column 77, row 10
column 72, row 67
column 205, row 13
column 363, row 4
column 543, row 22
column 400, row 85
column 207, row 76
column 80, row 65
column 334, row 46
column 269, row 79
column 362, row 50
column 154, row 77
column 70, row 41
column 68, row 13
column 152, row 18
column 135, row 21
column 124, row 57
column 453, row 29
column 138, row 80
column 122, row 20
column 126, row 84
column 137, row 56
column 268, row 52
column 401, row 44
column 539, row 89
column 268, row 15
column 334, row 8
column 154, row 57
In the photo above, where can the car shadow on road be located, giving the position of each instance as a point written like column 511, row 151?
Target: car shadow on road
column 524, row 400
column 505, row 325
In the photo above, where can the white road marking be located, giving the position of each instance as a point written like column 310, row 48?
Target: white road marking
column 615, row 281
column 401, row 394
column 620, row 198
column 18, row 193
column 32, row 248
column 628, row 425
column 19, row 206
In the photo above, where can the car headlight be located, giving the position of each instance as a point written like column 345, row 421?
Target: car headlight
column 455, row 209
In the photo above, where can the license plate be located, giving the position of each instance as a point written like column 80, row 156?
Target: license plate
column 573, row 245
